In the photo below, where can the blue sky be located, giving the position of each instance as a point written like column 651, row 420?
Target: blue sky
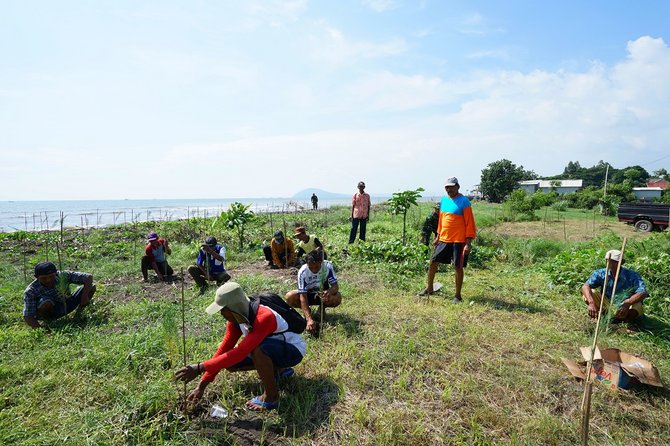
column 209, row 99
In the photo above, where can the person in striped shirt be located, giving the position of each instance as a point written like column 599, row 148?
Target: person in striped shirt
column 455, row 231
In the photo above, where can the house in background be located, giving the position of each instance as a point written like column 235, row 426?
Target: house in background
column 560, row 186
column 657, row 182
column 647, row 193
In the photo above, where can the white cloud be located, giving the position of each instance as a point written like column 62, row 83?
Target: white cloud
column 477, row 24
column 330, row 45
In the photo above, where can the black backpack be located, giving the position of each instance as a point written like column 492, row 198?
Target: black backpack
column 296, row 323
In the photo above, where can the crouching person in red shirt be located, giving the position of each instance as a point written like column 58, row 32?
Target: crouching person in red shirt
column 269, row 348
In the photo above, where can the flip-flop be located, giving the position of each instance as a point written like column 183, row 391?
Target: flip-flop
column 261, row 406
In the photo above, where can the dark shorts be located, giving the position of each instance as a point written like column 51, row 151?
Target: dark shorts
column 282, row 354
column 62, row 308
column 313, row 295
column 450, row 253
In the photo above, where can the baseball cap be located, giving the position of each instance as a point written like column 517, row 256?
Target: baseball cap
column 279, row 236
column 152, row 236
column 211, row 241
column 613, row 254
column 451, row 181
column 300, row 230
column 44, row 268
column 231, row 296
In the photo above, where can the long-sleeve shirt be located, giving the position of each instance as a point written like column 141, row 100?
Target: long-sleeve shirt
column 266, row 324
column 278, row 250
column 456, row 222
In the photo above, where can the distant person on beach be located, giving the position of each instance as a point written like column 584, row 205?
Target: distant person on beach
column 48, row 297
column 281, row 252
column 307, row 243
column 455, row 231
column 210, row 264
column 429, row 227
column 156, row 257
column 316, row 282
column 270, row 348
column 360, row 212
column 629, row 294
column 315, row 202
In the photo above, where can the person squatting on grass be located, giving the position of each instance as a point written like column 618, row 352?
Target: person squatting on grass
column 455, row 231
column 210, row 264
column 316, row 275
column 155, row 257
column 629, row 294
column 269, row 348
column 307, row 243
column 360, row 212
column 48, row 297
column 281, row 252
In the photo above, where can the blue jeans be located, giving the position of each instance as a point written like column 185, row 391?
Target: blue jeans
column 354, row 228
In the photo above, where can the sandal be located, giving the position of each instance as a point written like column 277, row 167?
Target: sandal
column 257, row 405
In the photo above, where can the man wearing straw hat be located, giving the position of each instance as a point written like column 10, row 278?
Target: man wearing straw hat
column 269, row 348
column 628, row 296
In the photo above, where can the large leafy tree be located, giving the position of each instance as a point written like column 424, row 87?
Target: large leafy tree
column 500, row 178
column 400, row 202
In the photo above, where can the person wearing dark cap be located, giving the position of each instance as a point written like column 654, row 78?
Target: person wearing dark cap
column 48, row 297
column 155, row 257
column 629, row 294
column 455, row 231
column 360, row 212
column 307, row 243
column 210, row 264
column 281, row 252
column 270, row 347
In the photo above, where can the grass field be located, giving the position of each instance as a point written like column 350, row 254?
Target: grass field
column 390, row 369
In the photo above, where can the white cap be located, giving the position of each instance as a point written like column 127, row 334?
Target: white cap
column 451, row 181
column 613, row 254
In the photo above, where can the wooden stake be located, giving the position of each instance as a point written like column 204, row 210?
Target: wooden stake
column 588, row 385
column 183, row 326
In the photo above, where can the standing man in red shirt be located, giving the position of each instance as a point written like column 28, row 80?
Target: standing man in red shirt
column 360, row 212
column 455, row 231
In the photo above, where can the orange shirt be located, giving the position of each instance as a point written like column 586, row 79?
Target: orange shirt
column 456, row 222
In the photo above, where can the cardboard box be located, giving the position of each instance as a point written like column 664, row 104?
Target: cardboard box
column 615, row 369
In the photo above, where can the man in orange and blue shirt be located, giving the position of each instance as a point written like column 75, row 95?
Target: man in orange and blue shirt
column 455, row 231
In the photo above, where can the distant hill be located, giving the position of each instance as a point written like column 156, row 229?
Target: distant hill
column 305, row 194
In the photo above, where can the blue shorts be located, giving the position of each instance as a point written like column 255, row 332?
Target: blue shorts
column 62, row 308
column 448, row 252
column 282, row 354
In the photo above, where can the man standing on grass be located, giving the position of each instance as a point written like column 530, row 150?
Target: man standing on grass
column 360, row 212
column 629, row 294
column 269, row 348
column 315, row 202
column 155, row 257
column 316, row 277
column 48, row 297
column 455, row 231
column 210, row 264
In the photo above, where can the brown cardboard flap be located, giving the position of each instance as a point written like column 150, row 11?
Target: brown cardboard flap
column 574, row 369
column 586, row 353
column 641, row 369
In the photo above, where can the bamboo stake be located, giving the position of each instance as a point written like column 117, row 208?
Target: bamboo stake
column 588, row 385
column 183, row 326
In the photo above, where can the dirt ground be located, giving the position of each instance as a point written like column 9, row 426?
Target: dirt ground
column 569, row 230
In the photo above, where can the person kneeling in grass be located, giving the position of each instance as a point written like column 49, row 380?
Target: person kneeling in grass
column 628, row 296
column 210, row 264
column 48, row 297
column 269, row 348
column 313, row 277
